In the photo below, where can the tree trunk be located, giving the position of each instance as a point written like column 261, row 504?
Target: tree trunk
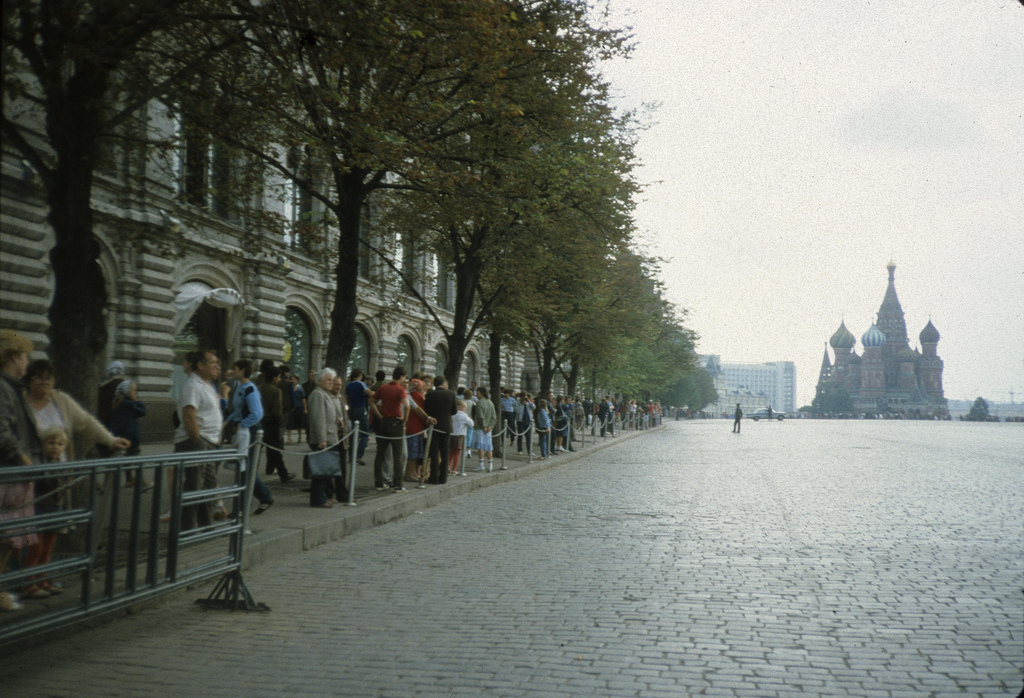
column 342, row 334
column 546, row 364
column 574, row 376
column 467, row 275
column 494, row 376
column 78, row 327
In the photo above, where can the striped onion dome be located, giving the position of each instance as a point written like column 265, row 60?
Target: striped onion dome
column 874, row 337
column 843, row 338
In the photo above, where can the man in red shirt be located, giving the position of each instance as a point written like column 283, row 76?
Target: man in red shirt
column 388, row 405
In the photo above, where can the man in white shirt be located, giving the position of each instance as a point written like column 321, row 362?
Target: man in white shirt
column 201, row 423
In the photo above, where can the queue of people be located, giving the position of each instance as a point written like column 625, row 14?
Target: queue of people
column 215, row 408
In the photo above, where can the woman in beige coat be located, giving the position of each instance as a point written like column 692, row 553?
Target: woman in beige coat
column 51, row 408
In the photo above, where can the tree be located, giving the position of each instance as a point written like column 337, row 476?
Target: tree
column 82, row 70
column 979, row 411
column 486, row 216
column 833, row 399
column 695, row 390
column 368, row 95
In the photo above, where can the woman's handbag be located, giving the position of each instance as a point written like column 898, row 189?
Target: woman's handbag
column 323, row 464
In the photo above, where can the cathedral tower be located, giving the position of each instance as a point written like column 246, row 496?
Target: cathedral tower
column 894, row 327
column 929, row 366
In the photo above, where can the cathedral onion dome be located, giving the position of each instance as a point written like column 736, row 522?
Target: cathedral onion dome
column 907, row 356
column 843, row 338
column 873, row 338
column 854, row 359
column 929, row 335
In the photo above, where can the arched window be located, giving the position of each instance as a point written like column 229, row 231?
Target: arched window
column 403, row 354
column 440, row 359
column 470, row 370
column 204, row 330
column 360, row 356
column 297, row 341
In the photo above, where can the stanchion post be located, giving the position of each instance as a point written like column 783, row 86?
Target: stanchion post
column 352, row 445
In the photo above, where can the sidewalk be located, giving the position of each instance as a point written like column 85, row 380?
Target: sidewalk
column 291, row 526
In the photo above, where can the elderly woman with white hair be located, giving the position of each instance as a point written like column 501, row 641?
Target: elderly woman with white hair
column 325, row 430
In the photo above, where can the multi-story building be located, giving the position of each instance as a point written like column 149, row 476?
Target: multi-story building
column 771, row 384
column 184, row 270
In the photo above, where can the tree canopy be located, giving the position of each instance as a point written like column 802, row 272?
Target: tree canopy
column 479, row 131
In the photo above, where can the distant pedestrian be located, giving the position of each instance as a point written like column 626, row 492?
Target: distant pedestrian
column 273, row 421
column 114, row 375
column 739, row 416
column 125, row 410
column 484, row 420
column 440, row 404
column 247, row 412
column 201, row 423
column 19, row 445
column 543, row 427
column 460, row 423
column 326, row 424
column 357, row 391
column 297, row 414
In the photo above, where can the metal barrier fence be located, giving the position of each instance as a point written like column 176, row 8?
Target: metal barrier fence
column 130, row 553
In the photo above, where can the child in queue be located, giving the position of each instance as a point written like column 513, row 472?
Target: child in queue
column 461, row 422
column 543, row 427
column 50, row 498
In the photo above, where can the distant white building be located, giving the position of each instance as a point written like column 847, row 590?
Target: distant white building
column 752, row 385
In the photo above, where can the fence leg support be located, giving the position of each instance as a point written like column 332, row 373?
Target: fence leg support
column 231, row 594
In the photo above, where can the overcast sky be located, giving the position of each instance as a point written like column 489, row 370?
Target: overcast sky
column 797, row 146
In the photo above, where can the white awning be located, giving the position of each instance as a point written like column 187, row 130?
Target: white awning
column 192, row 294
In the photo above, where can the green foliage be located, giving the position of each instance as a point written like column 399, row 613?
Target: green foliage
column 694, row 390
column 979, row 411
column 833, row 399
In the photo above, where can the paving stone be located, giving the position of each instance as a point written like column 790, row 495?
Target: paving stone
column 803, row 559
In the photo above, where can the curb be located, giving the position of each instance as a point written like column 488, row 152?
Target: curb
column 280, row 543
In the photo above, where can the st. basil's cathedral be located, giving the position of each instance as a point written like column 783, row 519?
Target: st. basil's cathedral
column 889, row 376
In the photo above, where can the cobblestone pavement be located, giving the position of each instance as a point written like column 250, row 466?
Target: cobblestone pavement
column 796, row 559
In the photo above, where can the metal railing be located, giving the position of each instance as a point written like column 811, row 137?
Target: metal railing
column 129, row 553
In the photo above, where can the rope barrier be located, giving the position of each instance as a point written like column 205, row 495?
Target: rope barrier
column 624, row 422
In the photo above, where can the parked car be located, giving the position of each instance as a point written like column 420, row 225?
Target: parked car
column 763, row 414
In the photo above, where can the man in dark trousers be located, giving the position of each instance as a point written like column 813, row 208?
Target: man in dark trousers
column 739, row 416
column 439, row 404
column 273, row 421
column 605, row 414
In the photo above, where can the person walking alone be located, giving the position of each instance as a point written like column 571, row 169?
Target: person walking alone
column 739, row 416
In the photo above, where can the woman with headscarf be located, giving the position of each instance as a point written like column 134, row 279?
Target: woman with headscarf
column 125, row 411
column 113, row 377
